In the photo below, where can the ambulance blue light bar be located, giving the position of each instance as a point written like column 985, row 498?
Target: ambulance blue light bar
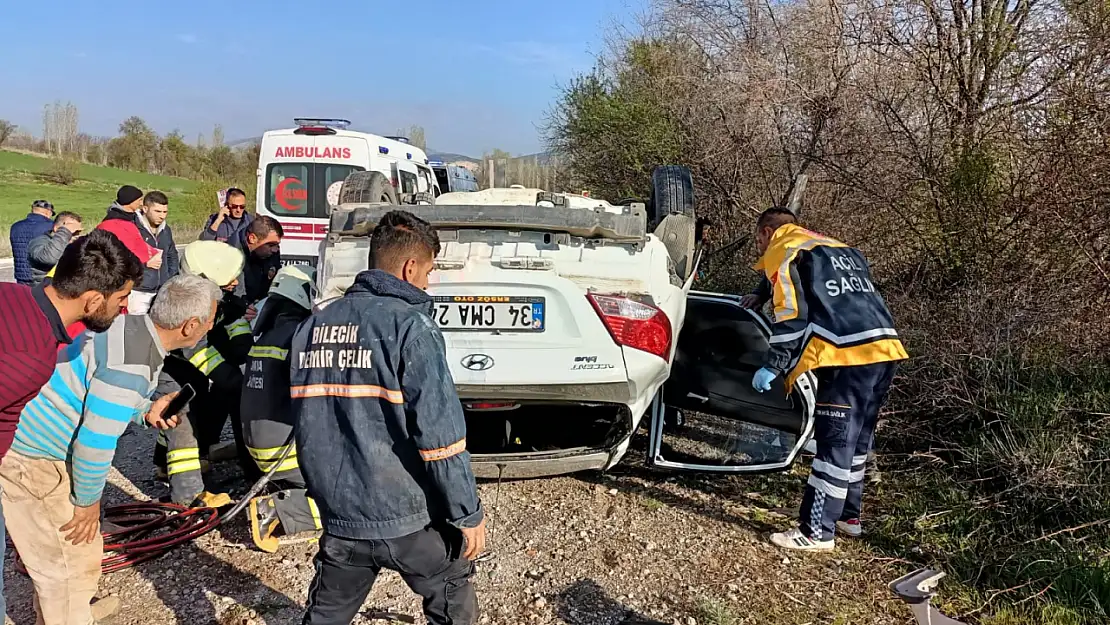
column 324, row 122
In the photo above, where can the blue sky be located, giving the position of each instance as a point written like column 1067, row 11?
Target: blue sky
column 477, row 75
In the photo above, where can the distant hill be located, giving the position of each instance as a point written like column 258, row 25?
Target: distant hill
column 450, row 157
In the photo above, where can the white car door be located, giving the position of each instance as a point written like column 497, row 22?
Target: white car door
column 707, row 416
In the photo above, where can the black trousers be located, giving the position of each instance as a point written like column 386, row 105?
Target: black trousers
column 429, row 561
column 848, row 403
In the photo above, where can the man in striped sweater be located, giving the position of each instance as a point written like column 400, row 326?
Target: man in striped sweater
column 55, row 472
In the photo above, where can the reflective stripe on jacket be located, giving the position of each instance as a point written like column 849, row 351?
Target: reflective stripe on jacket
column 224, row 349
column 828, row 312
column 380, row 430
column 264, row 408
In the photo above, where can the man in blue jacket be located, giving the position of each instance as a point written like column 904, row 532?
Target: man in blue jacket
column 37, row 223
column 381, row 438
column 230, row 220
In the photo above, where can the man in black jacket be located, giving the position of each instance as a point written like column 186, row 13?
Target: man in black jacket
column 260, row 242
column 381, row 438
column 156, row 232
column 126, row 206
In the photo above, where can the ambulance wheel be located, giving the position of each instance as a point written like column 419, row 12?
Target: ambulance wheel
column 672, row 193
column 367, row 187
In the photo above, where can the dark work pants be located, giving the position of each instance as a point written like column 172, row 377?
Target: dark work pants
column 848, row 403
column 428, row 561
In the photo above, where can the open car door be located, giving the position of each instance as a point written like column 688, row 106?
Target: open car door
column 708, row 417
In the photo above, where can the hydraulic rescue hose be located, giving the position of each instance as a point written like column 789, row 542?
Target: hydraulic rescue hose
column 143, row 531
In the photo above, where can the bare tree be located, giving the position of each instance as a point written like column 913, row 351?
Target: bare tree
column 6, row 130
column 59, row 124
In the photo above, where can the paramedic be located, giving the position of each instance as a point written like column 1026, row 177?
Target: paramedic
column 381, row 438
column 267, row 424
column 829, row 319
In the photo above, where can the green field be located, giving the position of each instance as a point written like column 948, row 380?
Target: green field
column 22, row 182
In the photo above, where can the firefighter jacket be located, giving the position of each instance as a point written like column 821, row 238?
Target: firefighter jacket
column 380, row 430
column 224, row 349
column 258, row 273
column 827, row 310
column 267, row 424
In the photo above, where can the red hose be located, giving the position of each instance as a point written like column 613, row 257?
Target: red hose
column 144, row 531
column 149, row 530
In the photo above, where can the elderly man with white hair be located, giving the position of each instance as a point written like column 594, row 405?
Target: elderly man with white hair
column 54, row 475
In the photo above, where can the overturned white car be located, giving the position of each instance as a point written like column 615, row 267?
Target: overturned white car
column 568, row 321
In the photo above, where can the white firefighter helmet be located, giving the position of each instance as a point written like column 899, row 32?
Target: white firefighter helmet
column 219, row 262
column 296, row 283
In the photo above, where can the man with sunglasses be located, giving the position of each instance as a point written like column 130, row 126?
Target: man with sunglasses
column 37, row 223
column 233, row 218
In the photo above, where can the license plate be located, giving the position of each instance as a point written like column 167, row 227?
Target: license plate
column 484, row 313
column 298, row 260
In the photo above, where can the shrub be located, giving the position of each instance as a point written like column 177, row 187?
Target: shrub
column 62, row 170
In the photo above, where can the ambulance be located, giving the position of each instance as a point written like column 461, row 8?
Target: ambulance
column 301, row 170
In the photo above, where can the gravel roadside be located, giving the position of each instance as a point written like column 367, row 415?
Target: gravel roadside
column 633, row 547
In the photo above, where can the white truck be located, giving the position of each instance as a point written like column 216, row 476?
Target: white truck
column 567, row 321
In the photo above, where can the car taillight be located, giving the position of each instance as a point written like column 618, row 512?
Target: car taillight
column 634, row 324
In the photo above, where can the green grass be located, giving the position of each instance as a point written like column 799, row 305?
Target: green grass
column 712, row 611
column 21, row 183
column 1014, row 508
column 34, row 164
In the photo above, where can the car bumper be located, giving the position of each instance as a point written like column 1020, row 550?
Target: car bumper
column 525, row 466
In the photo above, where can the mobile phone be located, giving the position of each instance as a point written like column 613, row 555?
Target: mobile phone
column 177, row 404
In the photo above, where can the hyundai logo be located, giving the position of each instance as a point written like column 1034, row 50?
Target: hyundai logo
column 477, row 362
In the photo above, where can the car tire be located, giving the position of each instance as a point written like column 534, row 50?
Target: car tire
column 671, row 210
column 672, row 193
column 367, row 187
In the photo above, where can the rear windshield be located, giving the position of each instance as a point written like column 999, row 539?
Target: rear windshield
column 301, row 189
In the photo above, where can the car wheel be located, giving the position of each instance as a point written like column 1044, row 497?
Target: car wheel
column 672, row 193
column 367, row 187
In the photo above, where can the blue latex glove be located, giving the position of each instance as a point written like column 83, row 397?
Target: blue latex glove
column 763, row 378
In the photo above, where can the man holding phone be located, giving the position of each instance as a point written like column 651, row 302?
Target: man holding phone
column 231, row 219
column 54, row 475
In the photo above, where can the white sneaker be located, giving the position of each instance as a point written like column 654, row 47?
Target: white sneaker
column 796, row 540
column 850, row 527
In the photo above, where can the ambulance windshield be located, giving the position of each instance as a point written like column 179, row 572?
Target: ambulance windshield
column 302, row 189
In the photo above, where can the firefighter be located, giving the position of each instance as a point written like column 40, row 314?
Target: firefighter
column 213, row 370
column 382, row 438
column 829, row 319
column 267, row 423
